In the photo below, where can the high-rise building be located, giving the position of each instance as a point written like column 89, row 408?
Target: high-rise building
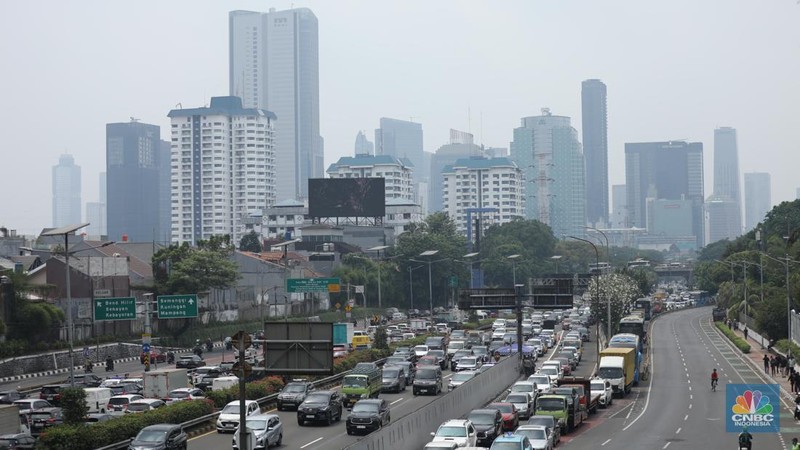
column 274, row 65
column 725, row 214
column 547, row 149
column 445, row 155
column 723, row 218
column 595, row 150
column 223, row 168
column 96, row 212
column 757, row 198
column 665, row 171
column 363, row 145
column 403, row 140
column 66, row 192
column 397, row 175
column 619, row 207
column 135, row 166
column 165, row 193
column 495, row 185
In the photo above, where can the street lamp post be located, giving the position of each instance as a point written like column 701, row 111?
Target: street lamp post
column 471, row 268
column 411, row 285
column 556, row 258
column 597, row 294
column 608, row 250
column 429, row 262
column 513, row 259
column 786, row 261
column 378, row 249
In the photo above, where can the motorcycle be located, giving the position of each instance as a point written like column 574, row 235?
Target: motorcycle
column 198, row 351
column 170, row 358
column 88, row 368
column 109, row 365
column 209, row 346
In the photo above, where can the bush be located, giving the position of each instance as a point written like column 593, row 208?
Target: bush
column 740, row 343
column 786, row 347
column 87, row 437
column 73, row 403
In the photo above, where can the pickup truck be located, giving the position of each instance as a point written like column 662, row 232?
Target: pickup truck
column 588, row 400
column 602, row 388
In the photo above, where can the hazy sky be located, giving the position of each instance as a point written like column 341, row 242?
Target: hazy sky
column 674, row 70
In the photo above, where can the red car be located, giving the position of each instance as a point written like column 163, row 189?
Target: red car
column 155, row 356
column 509, row 413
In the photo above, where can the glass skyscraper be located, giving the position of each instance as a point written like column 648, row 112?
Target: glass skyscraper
column 66, row 192
column 595, row 150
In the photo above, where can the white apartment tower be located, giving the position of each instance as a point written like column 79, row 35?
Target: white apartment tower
column 223, row 168
column 398, row 174
column 274, row 65
column 493, row 184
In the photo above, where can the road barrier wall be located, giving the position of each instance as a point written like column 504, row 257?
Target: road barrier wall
column 413, row 431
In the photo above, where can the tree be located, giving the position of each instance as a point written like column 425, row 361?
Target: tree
column 381, row 341
column 618, row 289
column 73, row 403
column 181, row 269
column 531, row 239
column 250, row 243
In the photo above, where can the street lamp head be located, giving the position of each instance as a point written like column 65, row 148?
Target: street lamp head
column 378, row 248
column 429, row 253
column 470, row 255
column 556, row 257
column 514, row 256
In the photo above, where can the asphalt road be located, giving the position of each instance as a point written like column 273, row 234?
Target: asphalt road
column 677, row 409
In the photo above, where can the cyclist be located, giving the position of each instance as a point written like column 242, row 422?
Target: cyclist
column 745, row 439
column 714, row 379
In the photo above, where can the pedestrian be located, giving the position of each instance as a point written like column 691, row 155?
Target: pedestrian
column 773, row 365
column 795, row 444
column 766, row 363
column 796, row 376
column 745, row 332
column 791, row 380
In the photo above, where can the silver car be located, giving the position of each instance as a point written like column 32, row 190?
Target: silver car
column 265, row 430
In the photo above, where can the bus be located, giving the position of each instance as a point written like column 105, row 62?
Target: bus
column 626, row 340
column 633, row 324
column 643, row 305
column 639, row 262
column 599, row 268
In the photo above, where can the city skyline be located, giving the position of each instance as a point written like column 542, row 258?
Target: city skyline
column 469, row 80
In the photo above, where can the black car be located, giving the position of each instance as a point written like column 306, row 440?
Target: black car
column 206, row 382
column 52, row 393
column 368, row 415
column 393, row 379
column 457, row 356
column 17, row 441
column 189, row 362
column 9, row 397
column 44, row 418
column 165, row 436
column 293, row 394
column 488, row 424
column 85, row 380
column 125, row 388
column 323, row 406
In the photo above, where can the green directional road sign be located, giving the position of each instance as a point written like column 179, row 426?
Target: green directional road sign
column 312, row 285
column 177, row 306
column 121, row 308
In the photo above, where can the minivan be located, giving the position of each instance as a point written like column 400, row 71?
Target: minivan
column 97, row 398
column 361, row 342
column 435, row 343
column 428, row 379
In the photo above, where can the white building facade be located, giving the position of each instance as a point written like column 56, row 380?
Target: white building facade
column 398, row 174
column 222, row 166
column 493, row 184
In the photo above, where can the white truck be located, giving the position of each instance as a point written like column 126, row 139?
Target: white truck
column 159, row 383
column 612, row 368
column 419, row 326
column 10, row 420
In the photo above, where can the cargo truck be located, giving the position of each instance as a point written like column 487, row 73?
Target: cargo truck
column 159, row 383
column 618, row 365
column 589, row 400
column 343, row 333
column 555, row 406
column 10, row 420
column 361, row 382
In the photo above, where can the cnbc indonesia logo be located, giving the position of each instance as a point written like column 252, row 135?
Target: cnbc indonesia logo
column 752, row 408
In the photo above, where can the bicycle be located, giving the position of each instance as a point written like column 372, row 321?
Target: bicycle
column 714, row 382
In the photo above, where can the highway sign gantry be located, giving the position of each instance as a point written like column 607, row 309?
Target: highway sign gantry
column 114, row 308
column 297, row 285
column 176, row 306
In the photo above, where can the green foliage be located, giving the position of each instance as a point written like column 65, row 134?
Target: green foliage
column 83, row 437
column 253, row 391
column 250, row 243
column 771, row 317
column 73, row 403
column 531, row 239
column 381, row 341
column 787, row 347
column 740, row 343
column 357, row 356
column 181, row 269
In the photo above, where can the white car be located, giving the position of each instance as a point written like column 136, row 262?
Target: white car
column 543, row 383
column 523, row 402
column 462, row 432
column 602, row 388
column 468, row 363
column 421, row 350
column 552, row 372
column 555, row 364
column 460, row 378
column 497, row 333
column 537, row 435
column 524, row 386
column 499, row 323
column 228, row 419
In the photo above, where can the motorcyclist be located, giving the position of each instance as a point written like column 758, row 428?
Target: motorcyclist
column 209, row 344
column 89, row 366
column 714, row 378
column 109, row 364
column 745, row 439
column 797, row 407
column 170, row 357
column 795, row 444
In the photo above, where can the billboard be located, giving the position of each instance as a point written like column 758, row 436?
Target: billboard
column 755, row 406
column 346, row 197
column 300, row 348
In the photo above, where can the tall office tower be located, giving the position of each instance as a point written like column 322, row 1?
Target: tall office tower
column 595, row 150
column 66, row 192
column 725, row 214
column 398, row 175
column 493, row 185
column 164, row 193
column 757, row 198
column 403, row 139
column 135, row 165
column 363, row 146
column 547, row 149
column 96, row 211
column 619, row 207
column 274, row 65
column 665, row 171
column 446, row 155
column 223, row 168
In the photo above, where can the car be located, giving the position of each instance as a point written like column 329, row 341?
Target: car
column 156, row 356
column 485, row 367
column 440, row 445
column 118, row 404
column 17, row 441
column 93, row 418
column 365, row 365
column 182, row 394
column 460, row 431
column 125, row 388
column 265, row 430
column 511, row 442
column 524, row 386
column 205, row 382
column 428, row 361
column 585, row 335
column 339, row 351
column 52, row 393
column 457, row 356
column 421, row 350
column 9, row 397
column 84, row 379
column 293, row 394
column 205, row 371
column 550, row 423
column 481, row 352
column 391, row 360
column 427, row 379
column 144, row 405
column 602, row 387
column 523, row 402
column 539, row 436
column 164, row 436
column 551, row 371
column 468, row 363
column 542, row 381
column 26, row 405
column 566, row 366
column 404, row 352
column 228, row 419
column 458, row 335
column 393, row 379
column 571, row 358
column 440, row 355
column 509, row 412
column 189, row 362
column 325, row 406
column 498, row 333
column 499, row 323
column 460, row 378
column 368, row 415
column 488, row 423
column 44, row 418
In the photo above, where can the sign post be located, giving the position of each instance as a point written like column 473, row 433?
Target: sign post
column 177, row 306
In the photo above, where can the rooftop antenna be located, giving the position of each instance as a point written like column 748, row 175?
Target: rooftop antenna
column 179, row 106
column 469, row 119
column 134, row 119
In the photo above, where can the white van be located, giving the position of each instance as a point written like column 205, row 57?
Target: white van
column 97, row 399
column 221, row 383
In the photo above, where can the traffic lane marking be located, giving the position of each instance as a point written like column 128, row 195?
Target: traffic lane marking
column 312, row 442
